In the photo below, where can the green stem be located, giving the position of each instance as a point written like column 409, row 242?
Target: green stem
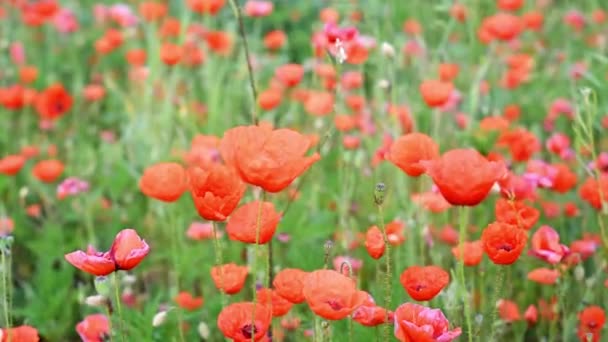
column 499, row 280
column 258, row 223
column 118, row 306
column 467, row 305
column 219, row 261
column 5, row 287
column 387, row 272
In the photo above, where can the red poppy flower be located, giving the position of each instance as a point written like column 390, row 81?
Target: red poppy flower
column 516, row 213
column 371, row 315
column 415, row 322
column 543, row 275
column 289, row 284
column 510, row 5
column 531, row 314
column 319, row 103
column 332, row 295
column 270, row 298
column 206, row 6
column 545, row 245
column 564, row 180
column 591, row 322
column 463, row 176
column 48, row 171
column 274, row 40
column 229, row 278
column 374, row 242
column 244, row 223
column 92, row 262
column 264, row 157
column 290, row 75
column 185, row 300
column 24, row 333
column 244, row 321
column 431, row 201
column 170, row 54
column 503, row 242
column 216, row 191
column 128, row 249
column 472, row 252
column 94, row 328
column 164, row 181
column 394, row 232
column 53, row 102
column 407, row 152
column 504, row 26
column 436, row 93
column 590, row 191
column 11, row 164
column 508, row 310
column 424, row 282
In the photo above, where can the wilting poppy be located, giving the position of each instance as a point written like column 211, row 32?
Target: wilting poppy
column 11, row 164
column 436, row 93
column 244, row 321
column 545, row 245
column 543, row 275
column 516, row 213
column 591, row 321
column 94, row 328
column 53, row 102
column 415, row 322
column 472, row 252
column 332, row 295
column 48, row 171
column 185, row 300
column 503, row 242
column 424, row 282
column 164, row 181
column 216, row 191
column 254, row 222
column 23, row 333
column 289, row 284
column 229, row 278
column 408, row 150
column 374, row 242
column 264, row 157
column 463, row 176
column 269, row 297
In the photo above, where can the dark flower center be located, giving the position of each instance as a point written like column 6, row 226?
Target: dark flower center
column 592, row 325
column 506, row 247
column 249, row 330
column 59, row 107
column 419, row 287
column 334, row 305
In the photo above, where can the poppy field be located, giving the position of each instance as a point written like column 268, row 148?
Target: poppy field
column 348, row 170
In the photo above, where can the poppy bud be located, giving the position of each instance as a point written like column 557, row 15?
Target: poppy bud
column 379, row 191
column 103, row 286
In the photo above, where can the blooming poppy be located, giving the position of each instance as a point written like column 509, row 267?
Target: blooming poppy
column 128, row 249
column 275, row 39
column 23, row 333
column 332, row 295
column 92, row 262
column 290, row 75
column 503, row 242
column 319, row 103
column 590, row 191
column 424, row 282
column 516, row 213
column 543, row 275
column 448, row 71
column 371, row 315
column 545, row 245
column 289, row 284
column 170, row 54
column 463, row 176
column 531, row 314
column 185, row 300
column 164, row 181
column 504, row 26
column 472, row 252
column 229, row 278
column 53, row 102
column 94, row 328
column 508, row 310
column 522, row 144
column 254, row 222
column 533, row 20
column 28, row 74
column 431, row 201
column 394, row 232
column 216, row 191
column 415, row 322
column 211, row 7
column 408, row 150
column 436, row 93
column 591, row 321
column 48, row 171
column 244, row 321
column 219, row 42
column 564, row 179
column 270, row 298
column 270, row 99
column 374, row 242
column 264, row 157
column 11, row 164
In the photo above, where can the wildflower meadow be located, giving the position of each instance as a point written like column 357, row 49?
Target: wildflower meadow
column 303, row 170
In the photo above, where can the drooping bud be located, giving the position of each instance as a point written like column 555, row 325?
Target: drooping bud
column 379, row 192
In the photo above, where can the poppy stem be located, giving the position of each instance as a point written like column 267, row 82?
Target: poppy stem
column 217, row 245
column 5, row 284
column 256, row 248
column 379, row 200
column 239, row 17
column 463, row 213
column 118, row 307
column 500, row 275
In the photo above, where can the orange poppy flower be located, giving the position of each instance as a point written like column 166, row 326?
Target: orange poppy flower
column 564, row 180
column 591, row 321
column 394, row 232
column 206, row 6
column 28, row 74
column 436, row 93
column 504, row 26
column 170, row 54
column 448, row 71
column 185, row 300
column 94, row 328
column 290, row 75
column 264, row 157
column 319, row 103
column 48, row 171
column 516, row 213
column 128, row 249
column 244, row 321
column 533, row 20
column 53, row 102
column 270, row 298
column 544, row 276
column 459, row 12
column 163, row 181
column 408, row 150
column 11, row 164
column 275, row 40
column 371, row 315
column 245, row 221
column 431, row 201
column 590, row 192
column 289, row 284
column 219, row 42
column 332, row 295
column 510, row 5
column 270, row 99
column 23, row 333
column 463, row 176
column 229, row 278
column 415, row 322
column 522, row 144
column 424, row 282
column 152, row 11
column 374, row 242
column 503, row 242
column 472, row 252
column 216, row 191
column 136, row 57
column 508, row 310
column 511, row 112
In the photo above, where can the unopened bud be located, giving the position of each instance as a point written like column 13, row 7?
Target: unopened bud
column 203, row 330
column 387, row 50
column 103, row 286
column 159, row 319
column 379, row 193
column 96, row 301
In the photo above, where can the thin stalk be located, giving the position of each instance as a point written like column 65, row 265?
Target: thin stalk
column 176, row 263
column 118, row 307
column 218, row 261
column 499, row 280
column 467, row 305
column 254, row 261
column 5, row 288
column 379, row 200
